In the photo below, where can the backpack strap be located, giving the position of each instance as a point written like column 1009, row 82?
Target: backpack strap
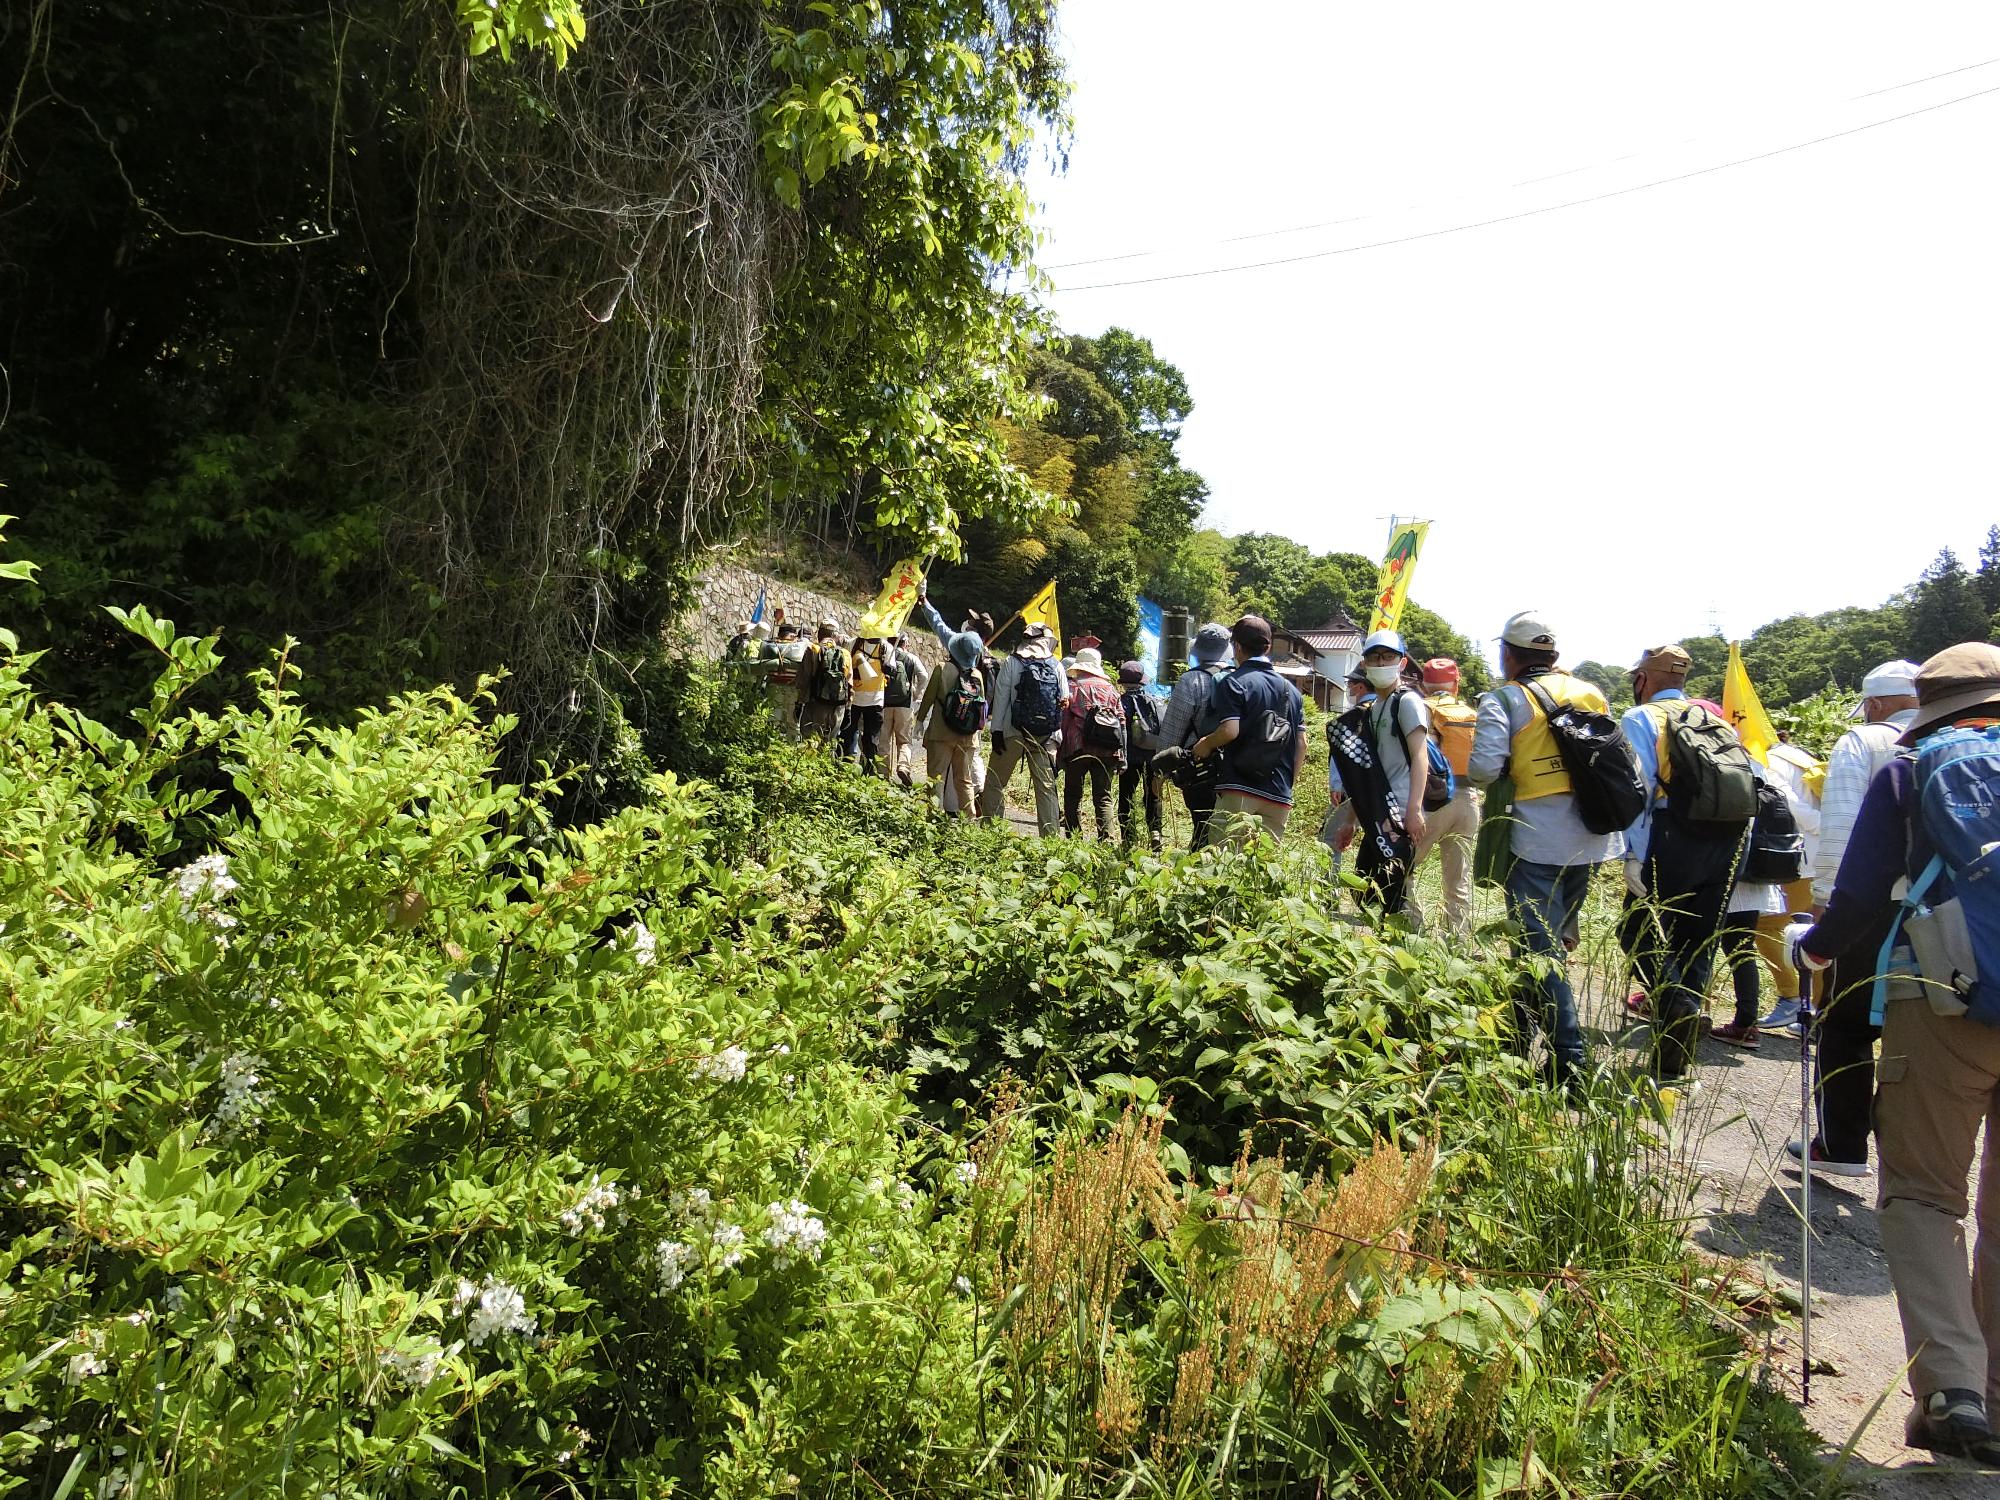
column 1878, row 1000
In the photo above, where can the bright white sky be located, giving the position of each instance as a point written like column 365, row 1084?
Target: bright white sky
column 1762, row 390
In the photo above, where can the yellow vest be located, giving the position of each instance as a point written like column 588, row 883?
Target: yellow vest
column 1532, row 758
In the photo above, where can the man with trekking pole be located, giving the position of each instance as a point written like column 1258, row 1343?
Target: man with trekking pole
column 1924, row 854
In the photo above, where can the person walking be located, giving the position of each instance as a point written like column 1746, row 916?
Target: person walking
column 1800, row 777
column 1940, row 1073
column 1028, row 701
column 954, row 711
column 784, row 665
column 1260, row 735
column 1553, row 852
column 1188, row 718
column 1752, row 903
column 1682, row 851
column 828, row 685
column 1143, row 719
column 1093, row 744
column 1844, row 1060
column 742, row 645
column 1380, row 752
column 903, row 680
column 1453, row 828
column 869, row 675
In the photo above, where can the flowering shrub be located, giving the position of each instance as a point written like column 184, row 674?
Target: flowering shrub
column 364, row 1132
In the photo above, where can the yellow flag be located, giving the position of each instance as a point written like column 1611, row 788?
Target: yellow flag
column 1392, row 588
column 1742, row 708
column 1042, row 609
column 891, row 609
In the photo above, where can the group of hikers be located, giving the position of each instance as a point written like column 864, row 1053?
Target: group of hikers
column 1872, row 867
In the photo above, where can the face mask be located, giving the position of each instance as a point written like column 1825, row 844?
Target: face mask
column 1384, row 678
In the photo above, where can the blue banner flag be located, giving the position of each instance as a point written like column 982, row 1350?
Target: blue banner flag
column 1151, row 623
column 757, row 614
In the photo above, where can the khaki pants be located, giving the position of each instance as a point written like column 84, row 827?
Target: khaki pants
column 1240, row 817
column 1041, row 772
column 899, row 733
column 1940, row 1082
column 948, row 761
column 1771, row 941
column 1451, row 831
column 785, row 706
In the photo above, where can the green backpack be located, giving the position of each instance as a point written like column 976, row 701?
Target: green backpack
column 1713, row 781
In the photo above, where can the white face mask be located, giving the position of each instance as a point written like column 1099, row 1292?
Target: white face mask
column 1384, row 678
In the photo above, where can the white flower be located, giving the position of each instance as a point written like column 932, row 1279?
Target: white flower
column 727, row 1066
column 201, row 885
column 962, row 1286
column 794, row 1233
column 501, row 1309
column 140, row 1318
column 85, row 1365
column 174, row 1298
column 783, row 1049
column 694, row 1203
column 237, row 1106
column 966, row 1173
column 727, row 1241
column 645, row 947
column 413, row 1369
column 464, row 1297
column 597, row 1202
column 672, row 1259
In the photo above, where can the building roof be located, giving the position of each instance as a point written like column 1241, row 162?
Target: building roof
column 1338, row 634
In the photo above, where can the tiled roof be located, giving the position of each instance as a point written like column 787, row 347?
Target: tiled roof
column 1338, row 634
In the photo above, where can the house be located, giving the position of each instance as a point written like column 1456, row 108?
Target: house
column 1319, row 659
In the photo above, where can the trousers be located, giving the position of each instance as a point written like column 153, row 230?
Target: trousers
column 1451, row 830
column 1010, row 752
column 1940, row 1086
column 1098, row 773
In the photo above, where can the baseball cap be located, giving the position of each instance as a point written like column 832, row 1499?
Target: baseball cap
column 1892, row 679
column 1529, row 631
column 1440, row 669
column 1385, row 638
column 1669, row 661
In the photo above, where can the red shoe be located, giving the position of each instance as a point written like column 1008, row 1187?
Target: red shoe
column 1736, row 1036
column 1638, row 1004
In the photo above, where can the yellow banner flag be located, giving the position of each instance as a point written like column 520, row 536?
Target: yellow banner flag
column 1743, row 708
column 1042, row 609
column 1392, row 588
column 883, row 619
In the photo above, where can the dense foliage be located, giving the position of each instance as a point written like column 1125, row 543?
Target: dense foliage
column 439, row 362
column 367, row 1133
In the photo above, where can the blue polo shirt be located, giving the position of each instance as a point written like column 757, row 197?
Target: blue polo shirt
column 1246, row 695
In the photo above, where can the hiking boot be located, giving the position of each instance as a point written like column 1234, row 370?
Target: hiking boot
column 1737, row 1036
column 1783, row 1014
column 1821, row 1162
column 1953, row 1422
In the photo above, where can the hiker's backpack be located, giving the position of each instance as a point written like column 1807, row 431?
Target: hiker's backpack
column 1205, row 720
column 964, row 704
column 1100, row 717
column 1951, row 916
column 1142, row 722
column 830, row 683
column 1264, row 741
column 1440, row 786
column 896, row 680
column 1777, row 854
column 1713, row 782
column 1037, row 698
column 1603, row 772
column 1453, row 725
column 790, row 655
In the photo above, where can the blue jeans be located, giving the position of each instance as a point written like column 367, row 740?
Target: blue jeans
column 1543, row 900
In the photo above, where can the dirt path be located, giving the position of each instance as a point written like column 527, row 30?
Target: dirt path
column 1733, row 1134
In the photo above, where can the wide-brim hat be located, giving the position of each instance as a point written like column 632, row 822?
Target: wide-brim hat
column 1089, row 661
column 1952, row 683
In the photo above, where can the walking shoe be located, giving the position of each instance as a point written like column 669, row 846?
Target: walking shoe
column 1783, row 1014
column 1736, row 1036
column 1821, row 1162
column 1952, row 1422
column 1638, row 1004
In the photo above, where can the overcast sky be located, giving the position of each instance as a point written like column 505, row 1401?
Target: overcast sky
column 1764, row 389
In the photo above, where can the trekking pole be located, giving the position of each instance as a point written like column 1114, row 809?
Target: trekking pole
column 1793, row 932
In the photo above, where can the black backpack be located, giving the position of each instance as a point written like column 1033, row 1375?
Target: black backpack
column 1714, row 781
column 1777, row 849
column 1142, row 725
column 1603, row 771
column 1037, row 698
column 963, row 707
column 1263, row 742
column 1101, row 716
column 896, row 680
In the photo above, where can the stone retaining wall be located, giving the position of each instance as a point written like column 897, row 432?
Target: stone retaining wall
column 726, row 594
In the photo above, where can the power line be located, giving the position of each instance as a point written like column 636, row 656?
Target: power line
column 1529, row 213
column 1266, row 234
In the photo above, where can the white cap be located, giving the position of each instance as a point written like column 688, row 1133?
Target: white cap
column 1528, row 631
column 1893, row 679
column 1387, row 638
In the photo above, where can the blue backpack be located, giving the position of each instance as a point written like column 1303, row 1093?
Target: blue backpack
column 1440, row 786
column 1950, row 920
